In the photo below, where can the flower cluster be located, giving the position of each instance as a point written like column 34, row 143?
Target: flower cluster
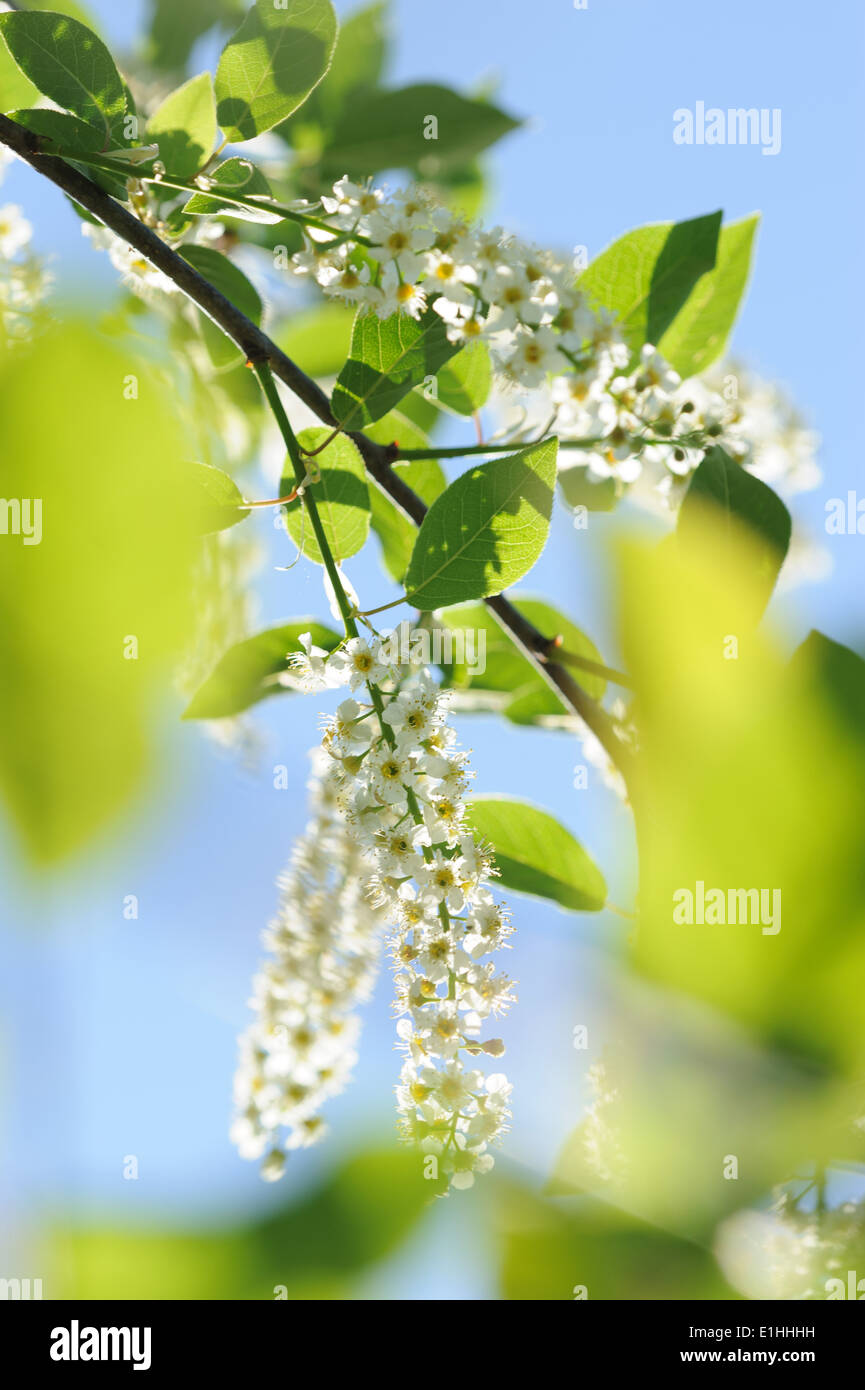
column 136, row 271
column 401, row 787
column 324, row 948
column 24, row 281
column 407, row 254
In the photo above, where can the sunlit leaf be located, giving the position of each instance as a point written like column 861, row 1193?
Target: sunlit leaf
column 388, row 358
column 486, row 531
column 67, row 62
column 341, row 495
column 270, row 66
column 184, row 127
column 646, row 276
column 535, row 854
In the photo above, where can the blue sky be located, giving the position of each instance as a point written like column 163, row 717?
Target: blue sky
column 118, row 1037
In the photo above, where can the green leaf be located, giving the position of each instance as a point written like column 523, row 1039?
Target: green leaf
column 184, row 127
column 699, row 332
column 394, row 130
column 212, row 499
column 740, row 498
column 70, row 64
column 744, row 781
column 317, row 1246
column 320, row 338
column 580, row 488
column 60, row 129
column 839, row 673
column 235, row 178
column 70, row 764
column 536, row 855
column 249, row 671
column 273, row 62
column 342, row 497
column 395, row 531
column 486, row 531
column 175, row 28
column 464, row 382
column 358, row 61
column 548, row 1250
column 388, row 358
column 646, row 276
column 521, row 692
column 408, row 424
column 230, row 280
column 16, row 90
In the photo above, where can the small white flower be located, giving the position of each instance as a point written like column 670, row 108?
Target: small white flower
column 15, row 231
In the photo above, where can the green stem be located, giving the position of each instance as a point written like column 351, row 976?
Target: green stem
column 383, row 607
column 464, row 450
column 583, row 663
column 256, row 203
column 268, row 386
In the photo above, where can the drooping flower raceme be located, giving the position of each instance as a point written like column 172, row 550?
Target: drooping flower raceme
column 323, row 952
column 400, row 784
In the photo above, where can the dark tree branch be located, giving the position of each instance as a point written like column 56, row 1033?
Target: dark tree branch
column 259, row 348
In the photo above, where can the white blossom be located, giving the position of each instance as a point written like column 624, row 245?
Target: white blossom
column 323, row 951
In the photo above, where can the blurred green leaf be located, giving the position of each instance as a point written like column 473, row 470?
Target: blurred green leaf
column 838, row 674
column 318, row 339
column 175, row 28
column 92, row 617
column 184, row 127
column 249, row 671
column 423, row 128
column 735, row 497
column 522, row 694
column 485, row 531
column 747, row 780
column 358, row 62
column 314, row 1248
column 535, row 854
column 580, row 488
column 270, row 66
column 341, row 495
column 210, row 498
column 691, row 1118
column 552, row 1251
column 230, row 280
